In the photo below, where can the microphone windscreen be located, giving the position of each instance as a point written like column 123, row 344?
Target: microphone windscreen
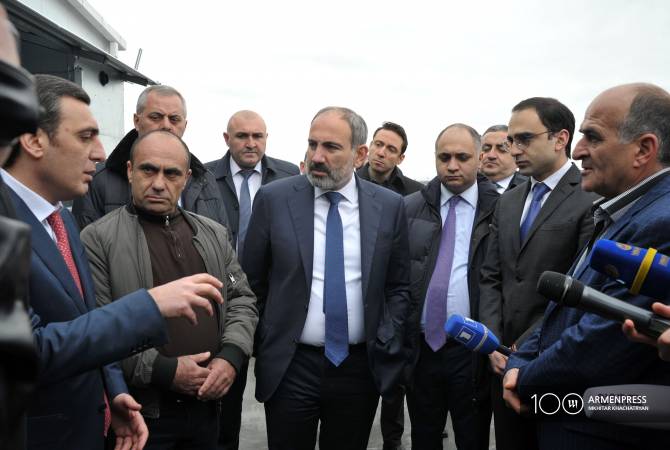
column 472, row 334
column 643, row 272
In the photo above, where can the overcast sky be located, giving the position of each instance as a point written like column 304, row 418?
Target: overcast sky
column 421, row 64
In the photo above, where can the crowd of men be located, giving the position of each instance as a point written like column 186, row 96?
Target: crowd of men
column 150, row 297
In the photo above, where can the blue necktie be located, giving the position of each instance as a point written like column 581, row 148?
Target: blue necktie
column 245, row 210
column 438, row 288
column 334, row 288
column 538, row 192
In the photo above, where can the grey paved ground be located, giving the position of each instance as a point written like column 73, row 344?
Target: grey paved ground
column 253, row 437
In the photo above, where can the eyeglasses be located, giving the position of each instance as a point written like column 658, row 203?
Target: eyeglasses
column 522, row 140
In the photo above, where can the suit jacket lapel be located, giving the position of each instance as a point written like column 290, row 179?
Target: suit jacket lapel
column 301, row 209
column 45, row 249
column 369, row 215
column 222, row 170
column 563, row 190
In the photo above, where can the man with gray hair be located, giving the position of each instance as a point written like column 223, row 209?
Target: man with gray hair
column 497, row 162
column 449, row 227
column 327, row 256
column 159, row 107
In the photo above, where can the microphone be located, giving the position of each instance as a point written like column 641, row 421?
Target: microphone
column 474, row 335
column 644, row 271
column 570, row 292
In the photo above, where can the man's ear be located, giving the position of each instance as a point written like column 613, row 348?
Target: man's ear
column 129, row 171
column 34, row 144
column 360, row 156
column 562, row 138
column 647, row 149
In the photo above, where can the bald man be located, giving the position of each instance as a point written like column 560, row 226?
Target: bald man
column 239, row 175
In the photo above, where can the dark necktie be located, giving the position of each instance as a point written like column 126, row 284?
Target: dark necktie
column 56, row 223
column 535, row 205
column 245, row 210
column 438, row 288
column 334, row 287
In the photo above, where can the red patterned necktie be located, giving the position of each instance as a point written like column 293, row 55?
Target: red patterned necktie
column 58, row 226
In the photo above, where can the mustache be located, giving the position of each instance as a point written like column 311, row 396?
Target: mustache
column 318, row 167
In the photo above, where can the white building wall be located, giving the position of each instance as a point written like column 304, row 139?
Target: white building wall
column 64, row 15
column 106, row 104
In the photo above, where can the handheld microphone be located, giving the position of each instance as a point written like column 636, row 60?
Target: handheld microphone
column 644, row 271
column 567, row 291
column 474, row 335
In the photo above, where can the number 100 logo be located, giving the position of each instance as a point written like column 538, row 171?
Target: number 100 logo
column 550, row 404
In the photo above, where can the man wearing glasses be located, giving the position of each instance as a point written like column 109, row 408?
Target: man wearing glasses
column 540, row 225
column 497, row 162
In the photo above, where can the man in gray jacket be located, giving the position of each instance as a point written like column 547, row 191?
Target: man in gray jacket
column 152, row 240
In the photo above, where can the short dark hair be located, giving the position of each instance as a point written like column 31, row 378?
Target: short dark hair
column 476, row 138
column 649, row 112
column 554, row 115
column 144, row 136
column 495, row 129
column 397, row 129
column 50, row 89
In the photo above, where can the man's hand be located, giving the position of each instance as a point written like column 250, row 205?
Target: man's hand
column 498, row 362
column 179, row 297
column 128, row 424
column 189, row 375
column 219, row 380
column 663, row 341
column 510, row 395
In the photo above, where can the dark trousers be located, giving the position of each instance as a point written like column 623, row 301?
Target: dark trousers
column 231, row 412
column 392, row 419
column 185, row 423
column 513, row 432
column 443, row 383
column 342, row 399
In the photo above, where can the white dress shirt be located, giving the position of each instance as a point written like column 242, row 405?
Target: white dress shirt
column 315, row 326
column 551, row 182
column 458, row 295
column 254, row 179
column 37, row 205
column 501, row 185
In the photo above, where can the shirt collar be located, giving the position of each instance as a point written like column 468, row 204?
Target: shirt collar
column 552, row 180
column 504, row 183
column 37, row 204
column 617, row 206
column 470, row 195
column 349, row 191
column 235, row 169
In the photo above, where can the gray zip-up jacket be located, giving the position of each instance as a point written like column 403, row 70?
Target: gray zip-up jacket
column 120, row 263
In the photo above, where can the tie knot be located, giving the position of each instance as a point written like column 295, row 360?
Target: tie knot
column 334, row 197
column 453, row 201
column 246, row 173
column 54, row 219
column 539, row 190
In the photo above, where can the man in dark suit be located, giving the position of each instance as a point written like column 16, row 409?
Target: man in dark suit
column 537, row 226
column 497, row 162
column 625, row 154
column 447, row 377
column 74, row 341
column 239, row 174
column 327, row 257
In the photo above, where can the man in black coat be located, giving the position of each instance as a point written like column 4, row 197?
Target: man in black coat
column 158, row 108
column 386, row 152
column 239, row 174
column 445, row 262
